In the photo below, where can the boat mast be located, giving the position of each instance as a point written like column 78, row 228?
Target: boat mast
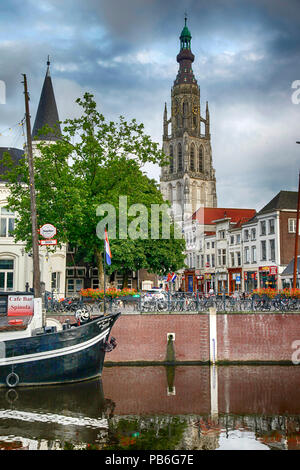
column 296, row 239
column 35, row 241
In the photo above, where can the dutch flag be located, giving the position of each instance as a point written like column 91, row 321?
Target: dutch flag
column 107, row 249
column 171, row 277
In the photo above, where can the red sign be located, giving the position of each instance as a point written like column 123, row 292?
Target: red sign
column 48, row 242
column 273, row 270
column 207, row 265
column 19, row 305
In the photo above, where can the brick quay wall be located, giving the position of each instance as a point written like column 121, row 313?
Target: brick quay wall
column 195, row 338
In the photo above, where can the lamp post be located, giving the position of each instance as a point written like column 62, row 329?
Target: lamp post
column 296, row 235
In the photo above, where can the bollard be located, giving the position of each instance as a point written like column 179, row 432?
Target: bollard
column 212, row 335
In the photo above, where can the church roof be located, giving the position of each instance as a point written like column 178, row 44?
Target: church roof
column 16, row 155
column 47, row 113
column 185, row 33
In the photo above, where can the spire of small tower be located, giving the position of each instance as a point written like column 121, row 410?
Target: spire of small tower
column 48, row 67
column 165, row 121
column 207, row 123
column 47, row 113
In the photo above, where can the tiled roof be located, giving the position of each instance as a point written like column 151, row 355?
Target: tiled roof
column 289, row 270
column 282, row 200
column 207, row 215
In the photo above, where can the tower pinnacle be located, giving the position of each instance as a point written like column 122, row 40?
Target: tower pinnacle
column 47, row 113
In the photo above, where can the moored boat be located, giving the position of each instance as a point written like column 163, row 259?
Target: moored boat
column 32, row 354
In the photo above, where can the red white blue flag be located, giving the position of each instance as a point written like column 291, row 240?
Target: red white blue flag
column 107, row 249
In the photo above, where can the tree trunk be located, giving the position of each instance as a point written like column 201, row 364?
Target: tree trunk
column 99, row 258
column 125, row 280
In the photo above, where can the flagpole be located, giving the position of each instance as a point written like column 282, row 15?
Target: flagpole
column 104, row 263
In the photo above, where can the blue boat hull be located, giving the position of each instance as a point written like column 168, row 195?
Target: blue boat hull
column 66, row 356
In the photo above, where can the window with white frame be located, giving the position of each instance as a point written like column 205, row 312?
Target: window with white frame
column 55, row 281
column 7, row 222
column 74, row 285
column 231, row 239
column 253, row 254
column 292, row 225
column 253, row 234
column 246, row 235
column 263, row 228
column 221, row 257
column 212, row 261
column 272, row 249
column 222, row 234
column 80, row 271
column 232, row 259
column 263, row 250
column 120, row 282
column 238, row 239
column 95, row 283
column 246, row 255
column 70, row 272
column 271, row 226
column 238, row 256
column 6, row 274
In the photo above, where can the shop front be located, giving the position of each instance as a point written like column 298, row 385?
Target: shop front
column 221, row 283
column 209, row 279
column 189, row 281
column 268, row 277
column 234, row 279
column 250, row 281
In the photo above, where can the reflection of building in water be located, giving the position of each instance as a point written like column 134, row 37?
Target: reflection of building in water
column 201, row 434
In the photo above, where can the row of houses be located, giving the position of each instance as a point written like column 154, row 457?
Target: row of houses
column 239, row 249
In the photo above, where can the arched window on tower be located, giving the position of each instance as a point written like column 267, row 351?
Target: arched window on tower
column 192, row 157
column 200, row 159
column 171, row 159
column 179, row 156
column 185, row 109
column 170, row 193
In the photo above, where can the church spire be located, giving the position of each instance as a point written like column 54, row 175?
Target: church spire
column 185, row 58
column 47, row 113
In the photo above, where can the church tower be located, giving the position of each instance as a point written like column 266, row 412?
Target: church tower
column 188, row 182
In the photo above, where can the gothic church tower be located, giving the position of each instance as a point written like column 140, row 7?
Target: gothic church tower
column 189, row 180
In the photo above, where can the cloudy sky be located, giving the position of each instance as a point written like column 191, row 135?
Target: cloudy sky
column 247, row 56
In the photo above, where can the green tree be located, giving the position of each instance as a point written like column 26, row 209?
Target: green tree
column 93, row 163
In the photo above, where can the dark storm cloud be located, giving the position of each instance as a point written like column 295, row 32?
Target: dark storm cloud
column 124, row 51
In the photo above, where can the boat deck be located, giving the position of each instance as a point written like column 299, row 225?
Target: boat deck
column 14, row 323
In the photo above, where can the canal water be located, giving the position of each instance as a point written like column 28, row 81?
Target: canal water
column 159, row 408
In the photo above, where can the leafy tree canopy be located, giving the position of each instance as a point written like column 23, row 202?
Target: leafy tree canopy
column 93, row 163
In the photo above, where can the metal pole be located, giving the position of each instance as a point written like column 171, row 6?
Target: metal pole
column 35, row 241
column 104, row 303
column 296, row 238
